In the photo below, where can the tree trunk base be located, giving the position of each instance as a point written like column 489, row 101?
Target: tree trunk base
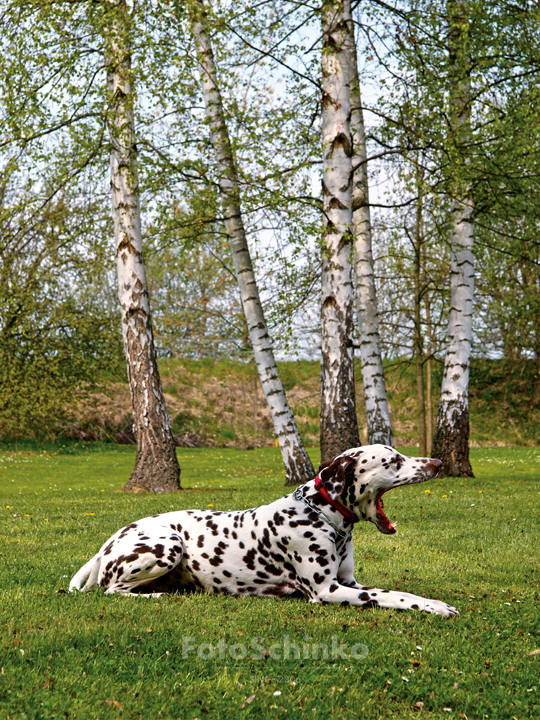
column 299, row 469
column 155, row 471
column 336, row 444
column 451, row 442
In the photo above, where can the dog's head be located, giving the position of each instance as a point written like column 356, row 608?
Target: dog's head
column 359, row 478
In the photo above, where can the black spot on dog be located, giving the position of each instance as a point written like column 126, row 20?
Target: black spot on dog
column 159, row 551
column 249, row 558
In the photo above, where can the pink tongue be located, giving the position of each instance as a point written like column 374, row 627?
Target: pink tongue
column 386, row 521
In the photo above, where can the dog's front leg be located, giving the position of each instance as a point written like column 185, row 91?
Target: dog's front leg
column 345, row 573
column 373, row 597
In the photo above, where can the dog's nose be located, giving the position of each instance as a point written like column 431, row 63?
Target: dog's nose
column 436, row 463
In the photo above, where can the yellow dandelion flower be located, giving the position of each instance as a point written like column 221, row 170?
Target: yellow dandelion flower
column 210, row 505
column 445, row 496
column 428, row 492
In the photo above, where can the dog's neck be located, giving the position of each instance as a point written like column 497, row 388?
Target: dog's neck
column 338, row 505
column 342, row 518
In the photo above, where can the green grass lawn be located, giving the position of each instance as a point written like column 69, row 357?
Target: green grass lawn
column 472, row 543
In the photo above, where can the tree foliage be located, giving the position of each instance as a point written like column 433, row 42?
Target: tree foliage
column 58, row 317
column 54, row 155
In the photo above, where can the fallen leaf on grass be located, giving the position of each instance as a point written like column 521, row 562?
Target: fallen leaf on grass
column 48, row 683
column 115, row 703
column 534, row 652
column 419, row 705
column 61, row 592
column 40, row 595
column 250, row 699
column 16, row 642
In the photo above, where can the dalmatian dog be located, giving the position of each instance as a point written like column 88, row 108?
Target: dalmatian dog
column 300, row 545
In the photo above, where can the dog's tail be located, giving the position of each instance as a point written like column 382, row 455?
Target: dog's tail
column 87, row 576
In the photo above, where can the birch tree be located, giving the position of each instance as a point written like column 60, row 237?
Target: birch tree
column 298, row 467
column 156, row 465
column 451, row 440
column 377, row 413
column 339, row 426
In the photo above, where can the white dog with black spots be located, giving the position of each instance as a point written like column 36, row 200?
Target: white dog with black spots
column 299, row 545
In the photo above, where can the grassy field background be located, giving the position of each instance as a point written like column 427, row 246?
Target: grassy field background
column 472, row 543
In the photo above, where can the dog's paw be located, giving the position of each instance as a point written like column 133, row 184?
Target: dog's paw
column 438, row 607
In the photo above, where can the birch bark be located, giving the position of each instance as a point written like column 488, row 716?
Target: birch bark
column 377, row 413
column 298, row 467
column 156, row 465
column 339, row 427
column 451, row 440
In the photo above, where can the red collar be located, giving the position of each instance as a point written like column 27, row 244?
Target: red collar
column 347, row 514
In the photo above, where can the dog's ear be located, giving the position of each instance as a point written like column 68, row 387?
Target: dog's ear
column 334, row 474
column 324, row 465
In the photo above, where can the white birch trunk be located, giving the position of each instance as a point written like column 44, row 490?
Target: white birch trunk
column 156, row 466
column 451, row 441
column 339, row 427
column 377, row 412
column 298, row 466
